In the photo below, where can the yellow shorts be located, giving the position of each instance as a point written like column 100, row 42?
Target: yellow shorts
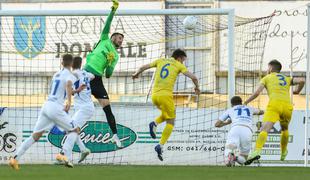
column 278, row 111
column 166, row 105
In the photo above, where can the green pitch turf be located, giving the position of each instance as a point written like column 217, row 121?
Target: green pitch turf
column 97, row 172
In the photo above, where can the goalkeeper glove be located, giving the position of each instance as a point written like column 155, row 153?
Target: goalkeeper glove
column 115, row 5
column 110, row 58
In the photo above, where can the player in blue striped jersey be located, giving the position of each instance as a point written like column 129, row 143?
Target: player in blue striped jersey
column 84, row 110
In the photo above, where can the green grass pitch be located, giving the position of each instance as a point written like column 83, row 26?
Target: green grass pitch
column 100, row 172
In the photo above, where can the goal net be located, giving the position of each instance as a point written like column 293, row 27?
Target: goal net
column 31, row 49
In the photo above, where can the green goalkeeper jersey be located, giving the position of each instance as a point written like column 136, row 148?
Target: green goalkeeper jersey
column 104, row 56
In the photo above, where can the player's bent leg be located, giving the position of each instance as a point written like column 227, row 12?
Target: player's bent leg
column 245, row 137
column 261, row 139
column 67, row 147
column 81, row 116
column 105, row 104
column 13, row 161
column 153, row 125
column 164, row 138
column 159, row 150
column 167, row 132
column 241, row 159
column 152, row 129
column 84, row 154
column 284, row 140
column 230, row 157
column 160, row 119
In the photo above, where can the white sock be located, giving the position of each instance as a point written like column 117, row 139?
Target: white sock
column 80, row 144
column 69, row 143
column 115, row 137
column 24, row 147
column 241, row 160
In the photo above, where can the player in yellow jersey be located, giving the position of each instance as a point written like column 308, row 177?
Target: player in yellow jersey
column 279, row 107
column 167, row 71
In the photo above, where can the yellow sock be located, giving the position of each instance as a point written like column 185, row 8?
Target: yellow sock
column 284, row 140
column 166, row 134
column 261, row 139
column 159, row 119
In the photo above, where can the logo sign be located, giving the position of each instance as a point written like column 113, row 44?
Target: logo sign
column 96, row 136
column 29, row 35
column 7, row 140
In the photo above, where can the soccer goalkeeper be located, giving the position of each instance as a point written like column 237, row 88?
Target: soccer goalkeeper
column 101, row 61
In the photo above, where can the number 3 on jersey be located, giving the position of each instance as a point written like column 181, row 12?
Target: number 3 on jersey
column 164, row 71
column 281, row 79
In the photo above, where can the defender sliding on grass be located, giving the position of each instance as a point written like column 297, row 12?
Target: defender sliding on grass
column 240, row 135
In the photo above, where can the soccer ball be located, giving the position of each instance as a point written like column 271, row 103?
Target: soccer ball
column 190, row 22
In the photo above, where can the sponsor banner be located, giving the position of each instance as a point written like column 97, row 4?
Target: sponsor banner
column 194, row 140
column 96, row 136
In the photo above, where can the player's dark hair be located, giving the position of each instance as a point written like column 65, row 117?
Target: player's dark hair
column 178, row 53
column 236, row 100
column 67, row 60
column 117, row 33
column 77, row 62
column 276, row 65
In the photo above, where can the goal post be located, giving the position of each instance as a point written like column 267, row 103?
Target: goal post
column 224, row 51
column 306, row 142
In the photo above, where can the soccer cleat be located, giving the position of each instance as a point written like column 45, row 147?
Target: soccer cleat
column 59, row 158
column 253, row 156
column 13, row 163
column 84, row 154
column 152, row 127
column 159, row 152
column 64, row 160
column 231, row 160
column 68, row 164
column 283, row 155
column 116, row 140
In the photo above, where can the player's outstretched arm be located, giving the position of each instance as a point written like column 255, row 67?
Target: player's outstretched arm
column 255, row 94
column 107, row 25
column 140, row 70
column 220, row 123
column 195, row 81
column 258, row 112
column 79, row 89
column 300, row 82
